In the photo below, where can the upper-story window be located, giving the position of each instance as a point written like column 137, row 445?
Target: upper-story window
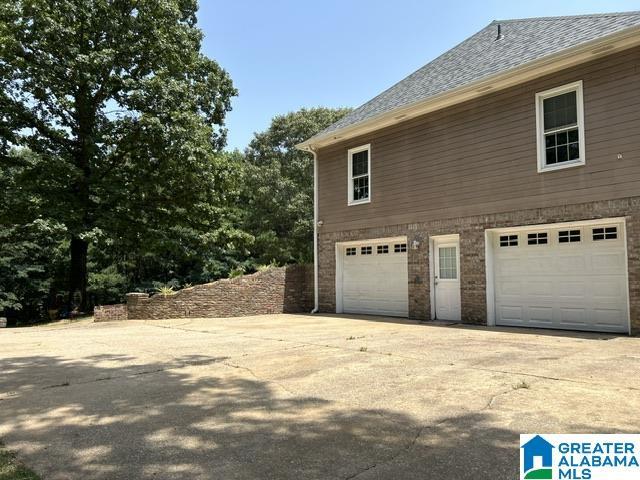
column 560, row 125
column 359, row 175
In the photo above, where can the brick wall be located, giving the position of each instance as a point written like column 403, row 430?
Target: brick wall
column 276, row 290
column 472, row 253
column 110, row 313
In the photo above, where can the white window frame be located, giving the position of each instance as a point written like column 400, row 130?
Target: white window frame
column 350, row 153
column 540, row 97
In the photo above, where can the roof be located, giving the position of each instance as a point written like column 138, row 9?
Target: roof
column 483, row 55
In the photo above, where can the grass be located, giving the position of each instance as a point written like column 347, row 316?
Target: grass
column 12, row 469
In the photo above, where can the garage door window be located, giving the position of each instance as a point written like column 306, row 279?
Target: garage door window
column 382, row 249
column 351, row 251
column 568, row 236
column 537, row 238
column 508, row 240
column 366, row 250
column 606, row 233
column 400, row 247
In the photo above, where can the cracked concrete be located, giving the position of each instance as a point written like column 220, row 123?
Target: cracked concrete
column 295, row 396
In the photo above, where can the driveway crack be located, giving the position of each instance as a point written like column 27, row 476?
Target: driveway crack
column 555, row 379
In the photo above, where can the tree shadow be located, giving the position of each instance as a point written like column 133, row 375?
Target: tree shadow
column 176, row 420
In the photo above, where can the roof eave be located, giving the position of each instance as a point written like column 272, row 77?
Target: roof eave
column 582, row 53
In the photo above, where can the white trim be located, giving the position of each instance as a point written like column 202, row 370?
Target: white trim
column 584, row 52
column 315, row 230
column 626, row 262
column 490, row 237
column 435, row 242
column 350, row 153
column 375, row 241
column 540, row 133
column 340, row 261
column 339, row 271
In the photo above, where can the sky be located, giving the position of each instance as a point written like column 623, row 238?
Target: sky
column 283, row 55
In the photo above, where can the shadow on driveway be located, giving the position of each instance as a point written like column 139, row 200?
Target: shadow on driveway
column 167, row 420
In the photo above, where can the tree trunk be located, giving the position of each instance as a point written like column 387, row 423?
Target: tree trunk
column 78, row 275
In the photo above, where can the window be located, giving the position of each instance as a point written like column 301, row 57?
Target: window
column 537, row 238
column 351, row 251
column 366, row 250
column 359, row 175
column 400, row 247
column 447, row 263
column 383, row 249
column 560, row 125
column 508, row 240
column 606, row 233
column 568, row 236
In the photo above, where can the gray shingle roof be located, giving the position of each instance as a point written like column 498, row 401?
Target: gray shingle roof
column 481, row 55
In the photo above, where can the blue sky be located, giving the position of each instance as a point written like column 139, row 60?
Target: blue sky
column 284, row 55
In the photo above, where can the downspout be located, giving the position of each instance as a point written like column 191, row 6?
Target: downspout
column 315, row 229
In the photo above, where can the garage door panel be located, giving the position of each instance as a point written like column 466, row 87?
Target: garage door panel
column 578, row 285
column 512, row 313
column 540, row 314
column 573, row 316
column 375, row 283
column 571, row 289
column 542, row 288
column 608, row 317
column 607, row 262
column 510, row 288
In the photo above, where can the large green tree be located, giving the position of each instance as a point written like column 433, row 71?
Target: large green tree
column 279, row 186
column 122, row 116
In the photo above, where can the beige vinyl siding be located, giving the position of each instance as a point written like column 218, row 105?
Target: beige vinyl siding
column 479, row 157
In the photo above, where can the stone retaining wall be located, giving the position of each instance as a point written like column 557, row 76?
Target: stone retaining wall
column 276, row 290
column 110, row 313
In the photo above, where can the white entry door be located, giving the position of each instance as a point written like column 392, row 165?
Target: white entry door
column 446, row 279
column 562, row 276
column 372, row 278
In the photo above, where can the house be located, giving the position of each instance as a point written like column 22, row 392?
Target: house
column 540, row 448
column 499, row 184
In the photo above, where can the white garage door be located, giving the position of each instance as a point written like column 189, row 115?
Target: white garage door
column 374, row 278
column 562, row 277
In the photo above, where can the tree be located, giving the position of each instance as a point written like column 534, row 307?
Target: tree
column 123, row 117
column 279, row 186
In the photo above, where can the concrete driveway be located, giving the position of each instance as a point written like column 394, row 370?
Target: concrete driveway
column 303, row 397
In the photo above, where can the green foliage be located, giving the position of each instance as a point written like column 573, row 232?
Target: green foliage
column 237, row 272
column 122, row 119
column 113, row 177
column 269, row 266
column 27, row 265
column 279, row 186
column 12, row 469
column 107, row 285
column 166, row 290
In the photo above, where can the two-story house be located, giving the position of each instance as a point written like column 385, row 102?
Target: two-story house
column 499, row 184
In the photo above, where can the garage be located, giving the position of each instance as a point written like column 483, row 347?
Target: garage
column 565, row 276
column 372, row 277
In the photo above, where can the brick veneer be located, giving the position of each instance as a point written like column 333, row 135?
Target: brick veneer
column 276, row 290
column 472, row 253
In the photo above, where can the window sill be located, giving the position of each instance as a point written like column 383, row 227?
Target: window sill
column 358, row 202
column 560, row 166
